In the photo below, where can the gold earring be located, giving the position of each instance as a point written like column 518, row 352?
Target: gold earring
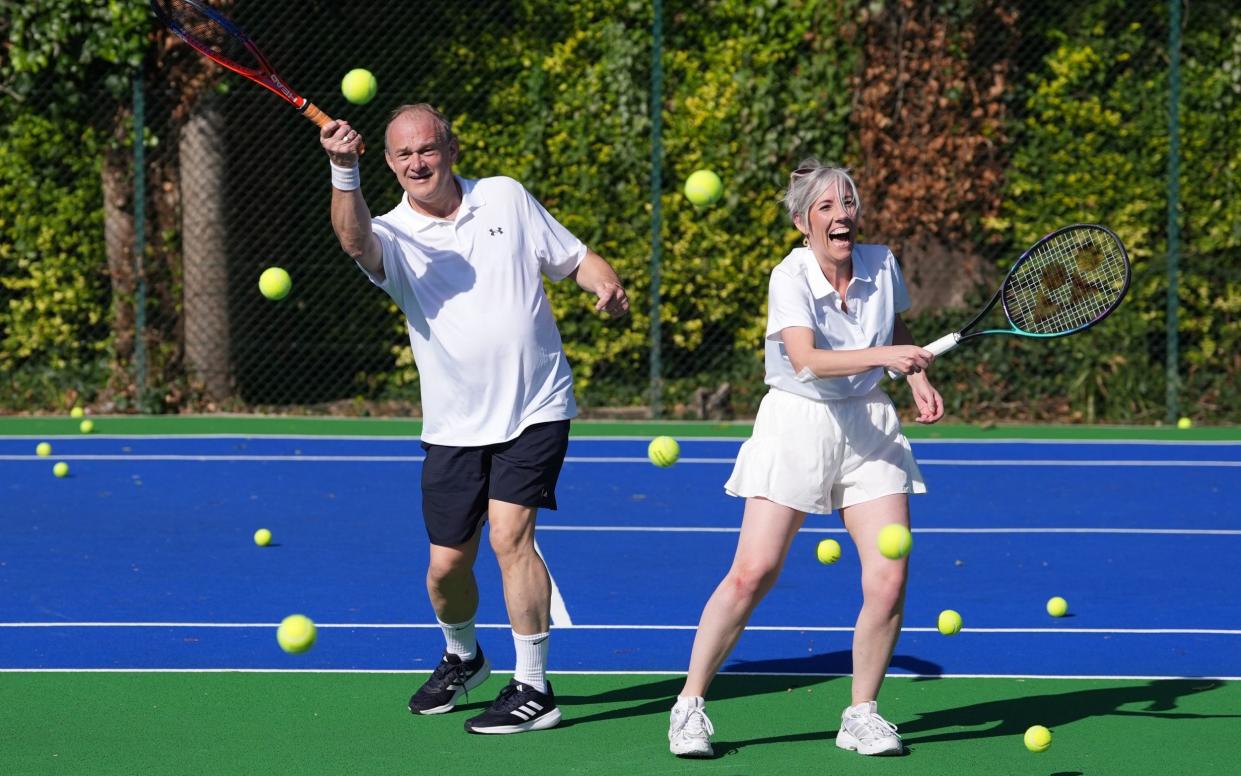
column 805, row 241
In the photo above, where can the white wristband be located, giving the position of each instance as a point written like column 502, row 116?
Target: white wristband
column 345, row 178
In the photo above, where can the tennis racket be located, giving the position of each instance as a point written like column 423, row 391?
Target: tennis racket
column 216, row 37
column 1065, row 283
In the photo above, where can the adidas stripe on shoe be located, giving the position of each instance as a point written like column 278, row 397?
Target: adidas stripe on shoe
column 518, row 709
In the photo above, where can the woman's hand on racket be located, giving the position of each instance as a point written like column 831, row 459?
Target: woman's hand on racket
column 928, row 401
column 906, row 359
column 341, row 141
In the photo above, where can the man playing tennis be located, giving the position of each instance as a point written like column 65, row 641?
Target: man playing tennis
column 464, row 260
column 826, row 437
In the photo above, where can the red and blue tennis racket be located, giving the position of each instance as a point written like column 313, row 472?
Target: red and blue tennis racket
column 218, row 38
column 1065, row 283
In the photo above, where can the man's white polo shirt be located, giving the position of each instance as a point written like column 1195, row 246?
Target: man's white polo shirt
column 489, row 355
column 799, row 295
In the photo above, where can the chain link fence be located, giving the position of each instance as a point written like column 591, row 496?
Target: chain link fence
column 973, row 128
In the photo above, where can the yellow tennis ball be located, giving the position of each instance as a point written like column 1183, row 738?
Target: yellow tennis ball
column 86, row 426
column 1057, row 606
column 1184, row 423
column 296, row 633
column 828, row 551
column 949, row 622
column 43, row 450
column 895, row 541
column 61, row 469
column 275, row 283
column 359, row 86
column 77, row 412
column 703, row 187
column 663, row 451
column 262, row 537
column 1038, row 738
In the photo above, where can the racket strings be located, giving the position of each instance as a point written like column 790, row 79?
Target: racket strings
column 209, row 36
column 1067, row 282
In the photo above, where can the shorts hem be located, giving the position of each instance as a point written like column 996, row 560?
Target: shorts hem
column 908, row 490
column 812, row 510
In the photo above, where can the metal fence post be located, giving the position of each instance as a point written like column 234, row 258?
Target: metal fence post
column 1172, row 372
column 140, row 293
column 657, row 99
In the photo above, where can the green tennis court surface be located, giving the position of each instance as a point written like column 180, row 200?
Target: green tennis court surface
column 307, row 723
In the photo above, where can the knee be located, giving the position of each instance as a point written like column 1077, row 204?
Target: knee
column 750, row 582
column 885, row 590
column 509, row 543
column 442, row 570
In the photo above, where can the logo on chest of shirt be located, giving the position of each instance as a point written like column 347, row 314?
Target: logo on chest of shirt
column 497, row 230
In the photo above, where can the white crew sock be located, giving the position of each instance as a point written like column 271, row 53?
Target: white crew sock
column 686, row 702
column 531, row 659
column 460, row 638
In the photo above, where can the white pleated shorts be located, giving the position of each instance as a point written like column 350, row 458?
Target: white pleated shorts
column 818, row 456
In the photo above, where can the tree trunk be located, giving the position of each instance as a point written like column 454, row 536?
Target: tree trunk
column 204, row 249
column 118, row 233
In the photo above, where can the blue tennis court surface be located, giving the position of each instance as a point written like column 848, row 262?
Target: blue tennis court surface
column 143, row 558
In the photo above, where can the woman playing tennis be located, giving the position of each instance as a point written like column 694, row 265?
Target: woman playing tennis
column 826, row 437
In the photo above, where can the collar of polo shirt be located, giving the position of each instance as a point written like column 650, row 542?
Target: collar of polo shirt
column 470, row 201
column 818, row 281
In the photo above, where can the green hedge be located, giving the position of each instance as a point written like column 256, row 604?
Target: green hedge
column 749, row 89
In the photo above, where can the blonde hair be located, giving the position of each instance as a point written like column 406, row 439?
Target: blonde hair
column 810, row 180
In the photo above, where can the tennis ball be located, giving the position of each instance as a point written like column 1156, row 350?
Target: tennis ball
column 86, row 426
column 1184, row 423
column 262, row 537
column 1057, row 606
column 1038, row 738
column 663, row 451
column 949, row 622
column 359, row 86
column 77, row 412
column 828, row 552
column 703, row 187
column 43, row 450
column 895, row 541
column 61, row 469
column 296, row 633
column 275, row 283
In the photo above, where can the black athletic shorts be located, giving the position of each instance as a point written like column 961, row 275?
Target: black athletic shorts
column 458, row 481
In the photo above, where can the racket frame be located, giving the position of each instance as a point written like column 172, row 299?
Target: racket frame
column 951, row 340
column 264, row 76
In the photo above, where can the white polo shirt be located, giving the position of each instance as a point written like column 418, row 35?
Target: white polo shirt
column 799, row 295
column 489, row 355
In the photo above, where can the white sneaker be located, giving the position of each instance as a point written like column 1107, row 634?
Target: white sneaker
column 862, row 730
column 689, row 730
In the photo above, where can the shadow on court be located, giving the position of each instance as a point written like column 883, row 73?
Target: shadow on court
column 657, row 697
column 1011, row 716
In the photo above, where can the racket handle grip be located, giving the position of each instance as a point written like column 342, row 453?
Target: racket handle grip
column 938, row 348
column 312, row 112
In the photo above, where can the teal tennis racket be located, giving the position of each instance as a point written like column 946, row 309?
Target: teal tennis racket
column 1064, row 284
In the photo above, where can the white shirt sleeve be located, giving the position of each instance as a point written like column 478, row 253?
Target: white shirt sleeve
column 789, row 303
column 558, row 251
column 394, row 282
column 900, row 294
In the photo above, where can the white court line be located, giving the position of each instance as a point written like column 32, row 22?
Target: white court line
column 560, row 613
column 754, row 628
column 1108, row 677
column 596, row 459
column 695, row 529
column 644, row 438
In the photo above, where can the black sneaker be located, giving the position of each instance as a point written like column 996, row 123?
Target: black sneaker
column 519, row 708
column 452, row 678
